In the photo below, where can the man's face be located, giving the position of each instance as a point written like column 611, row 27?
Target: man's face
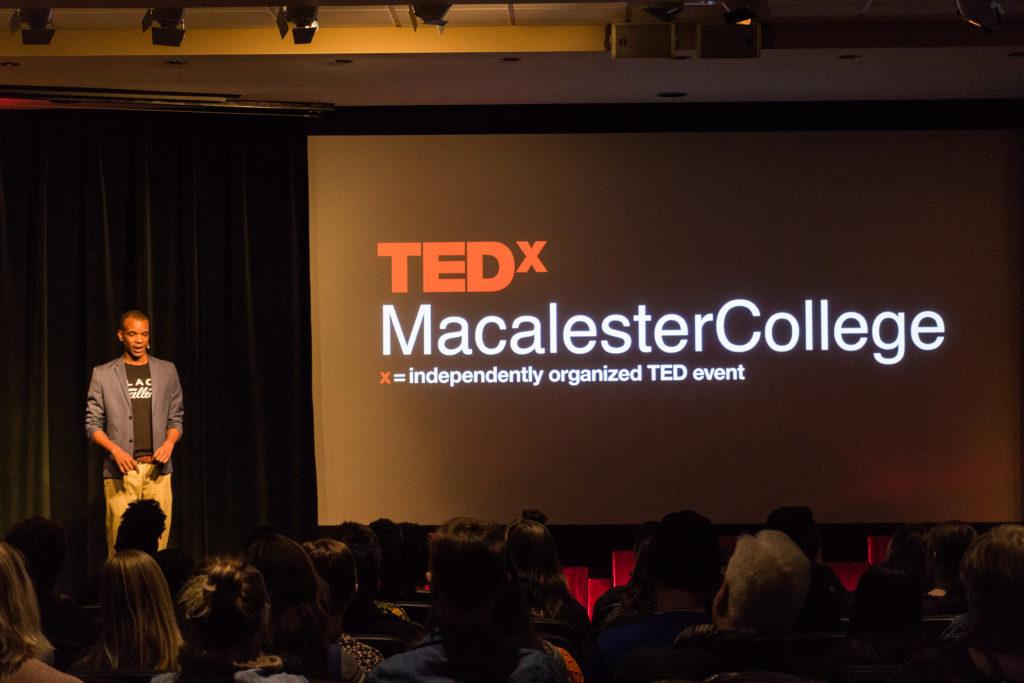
column 135, row 337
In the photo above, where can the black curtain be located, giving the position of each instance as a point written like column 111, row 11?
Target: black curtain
column 200, row 221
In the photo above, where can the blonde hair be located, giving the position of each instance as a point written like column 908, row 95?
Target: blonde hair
column 21, row 637
column 139, row 629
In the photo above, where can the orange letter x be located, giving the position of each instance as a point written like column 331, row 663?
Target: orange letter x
column 385, row 378
column 531, row 257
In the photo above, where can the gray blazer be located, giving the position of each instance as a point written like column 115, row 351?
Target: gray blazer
column 109, row 409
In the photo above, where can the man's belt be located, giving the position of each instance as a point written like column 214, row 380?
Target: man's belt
column 145, row 459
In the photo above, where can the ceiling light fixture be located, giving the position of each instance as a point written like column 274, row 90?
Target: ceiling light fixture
column 739, row 13
column 431, row 14
column 304, row 21
column 38, row 22
column 170, row 25
column 980, row 13
column 666, row 12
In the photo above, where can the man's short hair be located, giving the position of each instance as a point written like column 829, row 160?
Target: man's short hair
column 133, row 313
column 767, row 581
column 993, row 575
column 467, row 563
column 797, row 522
column 141, row 526
column 683, row 552
column 44, row 544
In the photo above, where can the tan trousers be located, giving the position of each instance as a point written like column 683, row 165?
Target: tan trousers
column 145, row 482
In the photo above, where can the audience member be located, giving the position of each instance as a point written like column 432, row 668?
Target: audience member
column 403, row 559
column 139, row 631
column 142, row 524
column 178, row 567
column 224, row 613
column 534, row 560
column 946, row 544
column 23, row 647
column 636, row 597
column 298, row 623
column 766, row 583
column 906, row 552
column 366, row 614
column 473, row 636
column 885, row 627
column 992, row 648
column 684, row 564
column 43, row 544
column 336, row 565
column 824, row 606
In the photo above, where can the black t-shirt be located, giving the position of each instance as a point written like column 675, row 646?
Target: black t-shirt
column 140, row 392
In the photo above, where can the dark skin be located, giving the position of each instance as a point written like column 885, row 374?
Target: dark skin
column 134, row 336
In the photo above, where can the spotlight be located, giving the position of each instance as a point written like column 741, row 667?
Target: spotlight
column 666, row 12
column 430, row 14
column 170, row 28
column 38, row 22
column 980, row 14
column 302, row 18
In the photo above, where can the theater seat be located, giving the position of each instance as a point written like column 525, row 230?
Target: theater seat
column 878, row 548
column 867, row 673
column 595, row 589
column 849, row 573
column 577, row 577
column 623, row 562
column 388, row 645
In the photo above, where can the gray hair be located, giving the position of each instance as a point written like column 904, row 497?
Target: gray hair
column 767, row 581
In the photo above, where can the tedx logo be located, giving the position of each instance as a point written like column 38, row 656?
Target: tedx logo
column 461, row 266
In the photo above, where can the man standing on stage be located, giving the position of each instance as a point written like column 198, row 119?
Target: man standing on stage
column 134, row 412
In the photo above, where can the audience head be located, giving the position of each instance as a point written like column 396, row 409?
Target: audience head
column 946, row 544
column 798, row 523
column 467, row 569
column 887, row 602
column 336, row 565
column 643, row 532
column 44, row 544
column 766, row 583
column 907, row 550
column 533, row 557
column 298, row 623
column 683, row 553
column 365, row 546
column 21, row 637
column 224, row 613
column 141, row 526
column 178, row 568
column 139, row 630
column 534, row 515
column 992, row 572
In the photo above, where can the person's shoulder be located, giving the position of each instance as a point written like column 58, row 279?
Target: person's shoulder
column 536, row 667
column 950, row 662
column 36, row 671
column 409, row 665
column 109, row 365
column 155, row 362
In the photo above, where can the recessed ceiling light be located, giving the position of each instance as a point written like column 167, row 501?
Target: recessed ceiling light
column 10, row 64
column 343, row 60
column 511, row 59
column 849, row 56
column 672, row 93
column 175, row 62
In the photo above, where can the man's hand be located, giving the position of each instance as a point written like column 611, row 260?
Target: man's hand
column 163, row 454
column 125, row 462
